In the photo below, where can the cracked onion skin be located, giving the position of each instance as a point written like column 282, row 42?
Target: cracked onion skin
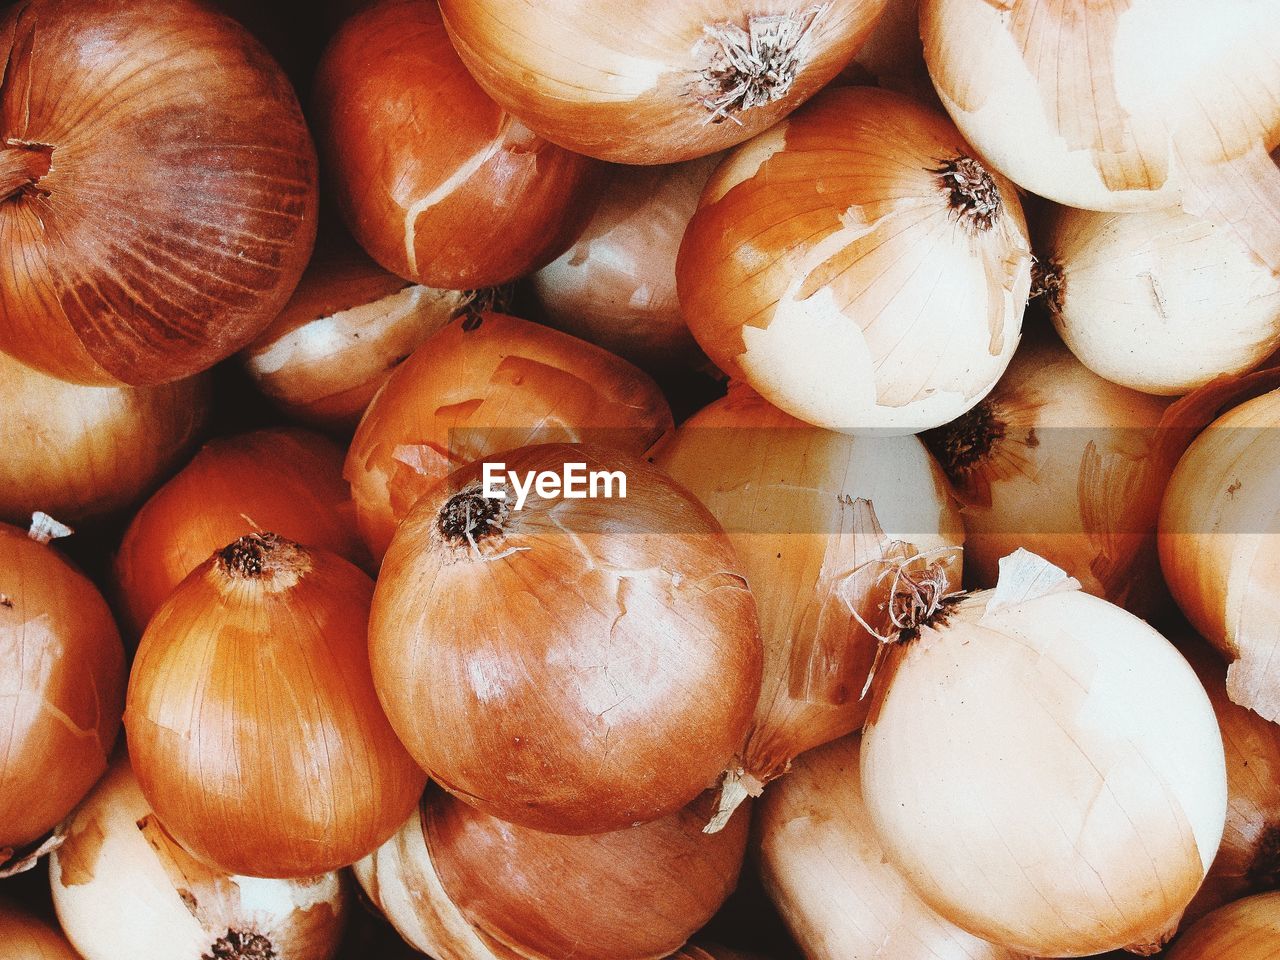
column 436, row 181
column 173, row 207
column 585, row 664
column 24, row 936
column 62, row 681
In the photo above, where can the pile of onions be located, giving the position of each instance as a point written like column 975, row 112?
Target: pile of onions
column 76, row 451
column 62, row 677
column 434, row 179
column 158, row 188
column 858, row 266
column 125, row 891
column 285, row 480
column 253, row 724
column 484, row 384
column 1083, row 104
column 617, row 634
column 26, row 937
column 461, row 885
column 616, row 286
column 1163, row 301
column 1246, row 930
column 1043, row 767
column 807, row 511
column 826, row 872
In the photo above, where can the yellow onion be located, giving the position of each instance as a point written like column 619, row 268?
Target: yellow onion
column 826, row 872
column 124, row 890
column 77, row 451
column 616, row 286
column 253, row 725
column 693, row 951
column 807, row 511
column 1246, row 930
column 858, row 266
column 573, row 665
column 62, row 677
column 484, row 384
column 1043, row 767
column 650, row 81
column 286, row 481
column 24, row 936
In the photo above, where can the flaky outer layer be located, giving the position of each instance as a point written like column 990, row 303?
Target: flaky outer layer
column 1246, row 930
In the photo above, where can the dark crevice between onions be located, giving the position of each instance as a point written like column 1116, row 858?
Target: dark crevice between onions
column 965, row 443
column 239, row 945
column 1264, row 872
column 487, row 300
column 971, row 191
column 1047, row 282
column 14, row 862
column 469, row 517
column 22, row 167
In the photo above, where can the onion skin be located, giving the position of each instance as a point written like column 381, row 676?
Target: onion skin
column 483, row 385
column 633, row 610
column 1246, row 930
column 125, row 891
column 435, row 180
column 285, row 480
column 239, row 782
column 628, row 82
column 78, row 452
column 179, row 205
column 828, row 876
column 62, row 680
column 25, row 937
column 796, row 273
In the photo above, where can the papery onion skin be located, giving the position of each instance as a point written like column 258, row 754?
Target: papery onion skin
column 800, row 271
column 26, row 937
column 78, row 452
column 283, row 480
column 124, row 890
column 62, row 682
column 294, row 772
column 1078, row 787
column 827, row 874
column 484, row 384
column 1245, row 930
column 435, row 180
column 179, row 206
column 587, row 664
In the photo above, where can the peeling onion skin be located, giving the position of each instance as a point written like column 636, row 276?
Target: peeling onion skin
column 816, row 307
column 26, row 937
column 78, row 452
column 62, row 683
column 1248, row 929
column 436, row 181
column 484, row 384
column 629, row 81
column 618, row 634
column 124, row 890
column 242, row 783
column 179, row 206
column 828, row 876
column 283, row 480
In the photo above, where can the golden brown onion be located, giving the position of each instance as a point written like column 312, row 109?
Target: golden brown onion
column 158, row 188
column 253, row 725
column 1245, row 930
column 24, row 936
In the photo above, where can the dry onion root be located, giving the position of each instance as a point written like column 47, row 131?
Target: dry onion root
column 1246, row 930
column 124, row 890
column 27, row 937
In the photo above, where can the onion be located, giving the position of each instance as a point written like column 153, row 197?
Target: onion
column 1163, row 301
column 125, row 891
column 616, row 286
column 157, row 188
column 826, row 872
column 1043, row 767
column 1083, row 103
column 893, row 56
column 433, row 178
column 857, row 266
column 287, row 481
column 573, row 665
column 26, row 937
column 62, row 677
column 1245, row 930
column 802, row 506
column 253, row 725
column 650, row 81
column 80, row 451
column 482, row 385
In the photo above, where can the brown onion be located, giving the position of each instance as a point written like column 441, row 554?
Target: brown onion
column 572, row 665
column 287, row 481
column 253, row 725
column 893, row 56
column 158, row 188
column 77, row 451
column 1246, row 930
column 62, row 677
column 24, row 936
column 484, row 384
column 438, row 183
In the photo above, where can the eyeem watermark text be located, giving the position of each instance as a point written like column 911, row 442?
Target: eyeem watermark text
column 573, row 482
